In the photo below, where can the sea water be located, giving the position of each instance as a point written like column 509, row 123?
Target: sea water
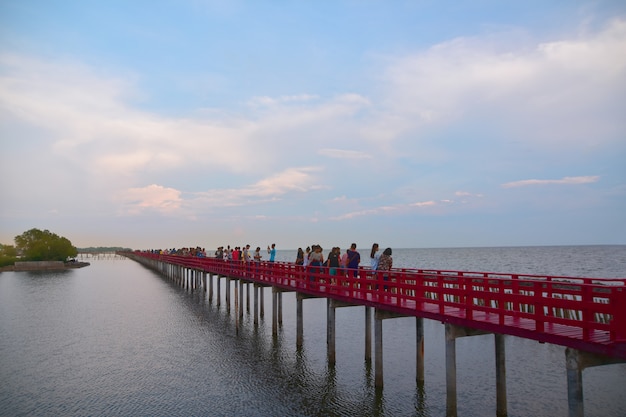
column 118, row 339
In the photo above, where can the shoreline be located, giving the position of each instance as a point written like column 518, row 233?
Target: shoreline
column 43, row 266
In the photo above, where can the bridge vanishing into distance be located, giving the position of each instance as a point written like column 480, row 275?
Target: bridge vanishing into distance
column 585, row 315
column 111, row 255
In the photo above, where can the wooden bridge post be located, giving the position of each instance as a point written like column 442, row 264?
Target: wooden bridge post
column 210, row 287
column 299, row 321
column 452, row 333
column 574, row 366
column 368, row 334
column 331, row 323
column 255, row 289
column 274, row 311
column 419, row 351
column 228, row 294
column 575, row 361
column 378, row 349
column 451, row 408
column 237, row 307
column 300, row 318
column 219, row 292
column 501, row 407
column 330, row 331
column 280, row 308
column 248, row 297
column 240, row 312
column 379, row 316
column 262, row 304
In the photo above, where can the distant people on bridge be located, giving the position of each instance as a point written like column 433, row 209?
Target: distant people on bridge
column 354, row 258
column 333, row 261
column 300, row 257
column 316, row 259
column 247, row 258
column 343, row 261
column 385, row 263
column 272, row 252
column 307, row 256
column 257, row 254
column 374, row 256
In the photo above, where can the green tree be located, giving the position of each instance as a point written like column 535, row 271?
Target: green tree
column 8, row 254
column 35, row 245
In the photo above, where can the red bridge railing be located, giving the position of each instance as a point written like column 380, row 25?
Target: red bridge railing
column 582, row 313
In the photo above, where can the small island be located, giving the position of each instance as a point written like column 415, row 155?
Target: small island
column 37, row 250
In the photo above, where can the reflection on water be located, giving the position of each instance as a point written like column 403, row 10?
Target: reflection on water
column 117, row 339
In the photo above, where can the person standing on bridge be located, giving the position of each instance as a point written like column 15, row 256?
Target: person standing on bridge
column 354, row 258
column 316, row 260
column 300, row 257
column 272, row 252
column 374, row 256
column 246, row 254
column 333, row 260
column 257, row 254
column 385, row 263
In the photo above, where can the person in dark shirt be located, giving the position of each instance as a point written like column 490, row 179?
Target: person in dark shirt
column 354, row 258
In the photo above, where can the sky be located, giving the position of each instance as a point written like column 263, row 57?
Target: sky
column 424, row 123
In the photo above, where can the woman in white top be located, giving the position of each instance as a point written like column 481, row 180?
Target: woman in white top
column 374, row 257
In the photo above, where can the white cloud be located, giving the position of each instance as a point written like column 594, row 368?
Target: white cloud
column 562, row 92
column 344, row 154
column 272, row 101
column 467, row 194
column 151, row 198
column 392, row 209
column 562, row 181
column 172, row 202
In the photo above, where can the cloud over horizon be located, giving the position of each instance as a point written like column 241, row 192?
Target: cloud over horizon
column 406, row 130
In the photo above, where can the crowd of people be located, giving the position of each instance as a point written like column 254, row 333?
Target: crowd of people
column 312, row 257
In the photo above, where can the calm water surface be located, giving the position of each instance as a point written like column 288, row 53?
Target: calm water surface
column 117, row 339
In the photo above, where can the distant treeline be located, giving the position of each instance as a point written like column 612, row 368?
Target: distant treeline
column 102, row 249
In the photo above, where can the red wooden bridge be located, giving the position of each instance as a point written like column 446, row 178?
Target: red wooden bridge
column 582, row 313
column 586, row 315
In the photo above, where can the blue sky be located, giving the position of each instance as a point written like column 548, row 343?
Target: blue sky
column 154, row 124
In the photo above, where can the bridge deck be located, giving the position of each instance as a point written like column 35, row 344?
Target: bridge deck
column 581, row 313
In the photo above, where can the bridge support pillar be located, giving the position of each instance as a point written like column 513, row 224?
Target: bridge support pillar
column 379, row 316
column 577, row 360
column 275, row 293
column 248, row 297
column 501, row 407
column 277, row 309
column 452, row 333
column 255, row 303
column 228, row 294
column 300, row 318
column 210, row 276
column 262, row 303
column 368, row 334
column 331, row 306
column 299, row 321
column 219, row 292
column 419, row 351
column 280, row 308
column 237, row 307
column 240, row 312
column 330, row 331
